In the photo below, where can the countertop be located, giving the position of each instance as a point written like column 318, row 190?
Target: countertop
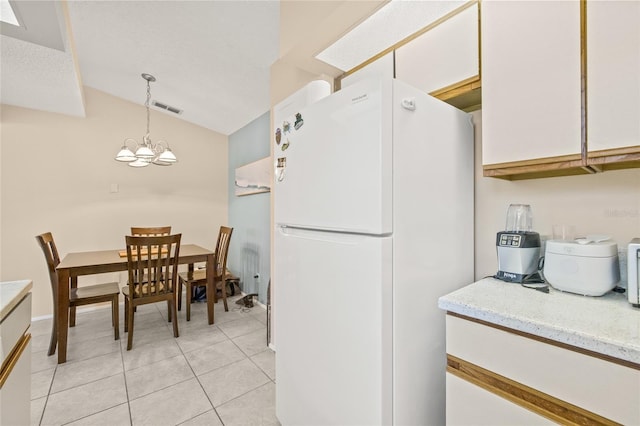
column 12, row 292
column 608, row 324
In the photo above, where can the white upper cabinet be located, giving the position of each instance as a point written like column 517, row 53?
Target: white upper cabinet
column 444, row 55
column 613, row 74
column 531, row 90
column 381, row 67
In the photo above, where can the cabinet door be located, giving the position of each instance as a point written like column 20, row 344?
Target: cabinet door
column 445, row 55
column 613, row 74
column 381, row 67
column 531, row 101
column 555, row 376
column 468, row 404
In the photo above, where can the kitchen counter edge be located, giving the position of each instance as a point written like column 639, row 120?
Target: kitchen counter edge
column 608, row 325
column 11, row 293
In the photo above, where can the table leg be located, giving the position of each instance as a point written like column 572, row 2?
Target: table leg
column 72, row 310
column 63, row 314
column 211, row 290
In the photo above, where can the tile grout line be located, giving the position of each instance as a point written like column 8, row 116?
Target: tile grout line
column 46, row 401
column 201, row 387
column 126, row 387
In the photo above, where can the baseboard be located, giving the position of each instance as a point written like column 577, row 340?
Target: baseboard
column 97, row 307
column 80, row 310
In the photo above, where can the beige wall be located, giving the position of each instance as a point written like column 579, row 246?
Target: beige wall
column 603, row 203
column 56, row 176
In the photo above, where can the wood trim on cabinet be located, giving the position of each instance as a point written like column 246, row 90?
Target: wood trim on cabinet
column 600, row 161
column 615, row 161
column 608, row 358
column 465, row 95
column 14, row 357
column 538, row 168
column 571, row 158
column 532, row 399
column 584, row 140
column 631, row 152
column 459, row 88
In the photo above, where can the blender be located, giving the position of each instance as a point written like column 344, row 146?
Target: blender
column 518, row 247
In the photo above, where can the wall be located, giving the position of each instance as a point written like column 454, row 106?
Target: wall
column 57, row 173
column 602, row 203
column 249, row 215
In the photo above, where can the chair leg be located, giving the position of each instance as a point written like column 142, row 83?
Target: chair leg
column 224, row 294
column 126, row 314
column 54, row 335
column 169, row 305
column 188, row 301
column 130, row 326
column 115, row 317
column 175, row 323
column 179, row 293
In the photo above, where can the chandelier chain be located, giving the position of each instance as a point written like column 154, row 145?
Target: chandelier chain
column 146, row 104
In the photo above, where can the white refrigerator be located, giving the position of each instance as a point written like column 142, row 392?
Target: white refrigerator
column 373, row 213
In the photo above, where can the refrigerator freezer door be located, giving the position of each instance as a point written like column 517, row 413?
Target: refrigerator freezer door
column 334, row 162
column 334, row 307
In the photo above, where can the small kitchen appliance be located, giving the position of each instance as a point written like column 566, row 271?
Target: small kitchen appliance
column 518, row 247
column 590, row 269
column 633, row 272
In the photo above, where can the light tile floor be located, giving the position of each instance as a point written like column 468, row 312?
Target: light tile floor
column 221, row 374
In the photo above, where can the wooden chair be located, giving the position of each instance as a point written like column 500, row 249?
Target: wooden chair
column 150, row 231
column 152, row 264
column 198, row 278
column 78, row 296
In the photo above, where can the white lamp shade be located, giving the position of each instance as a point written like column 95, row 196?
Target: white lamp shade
column 144, row 152
column 139, row 163
column 125, row 154
column 167, row 156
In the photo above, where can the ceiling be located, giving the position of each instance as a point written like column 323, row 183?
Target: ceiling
column 211, row 58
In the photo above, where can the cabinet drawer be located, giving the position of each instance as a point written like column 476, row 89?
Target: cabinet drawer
column 15, row 391
column 468, row 404
column 602, row 387
column 13, row 327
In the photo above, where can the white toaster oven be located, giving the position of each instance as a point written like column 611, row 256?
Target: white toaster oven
column 633, row 272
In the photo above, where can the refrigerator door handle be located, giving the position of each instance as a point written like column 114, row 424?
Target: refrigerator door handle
column 325, row 235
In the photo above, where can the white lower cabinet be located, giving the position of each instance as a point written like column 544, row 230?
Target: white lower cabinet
column 15, row 393
column 469, row 404
column 15, row 354
column 500, row 376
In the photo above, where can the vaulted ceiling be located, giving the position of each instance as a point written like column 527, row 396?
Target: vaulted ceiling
column 211, row 59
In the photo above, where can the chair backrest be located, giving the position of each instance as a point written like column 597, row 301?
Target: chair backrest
column 150, row 231
column 222, row 250
column 154, row 272
column 53, row 260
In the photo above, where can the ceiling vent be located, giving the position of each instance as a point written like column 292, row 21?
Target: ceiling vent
column 166, row 107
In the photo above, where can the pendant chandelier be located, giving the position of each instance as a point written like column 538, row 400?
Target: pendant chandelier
column 147, row 152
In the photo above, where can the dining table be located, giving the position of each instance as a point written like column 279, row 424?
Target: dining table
column 77, row 264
